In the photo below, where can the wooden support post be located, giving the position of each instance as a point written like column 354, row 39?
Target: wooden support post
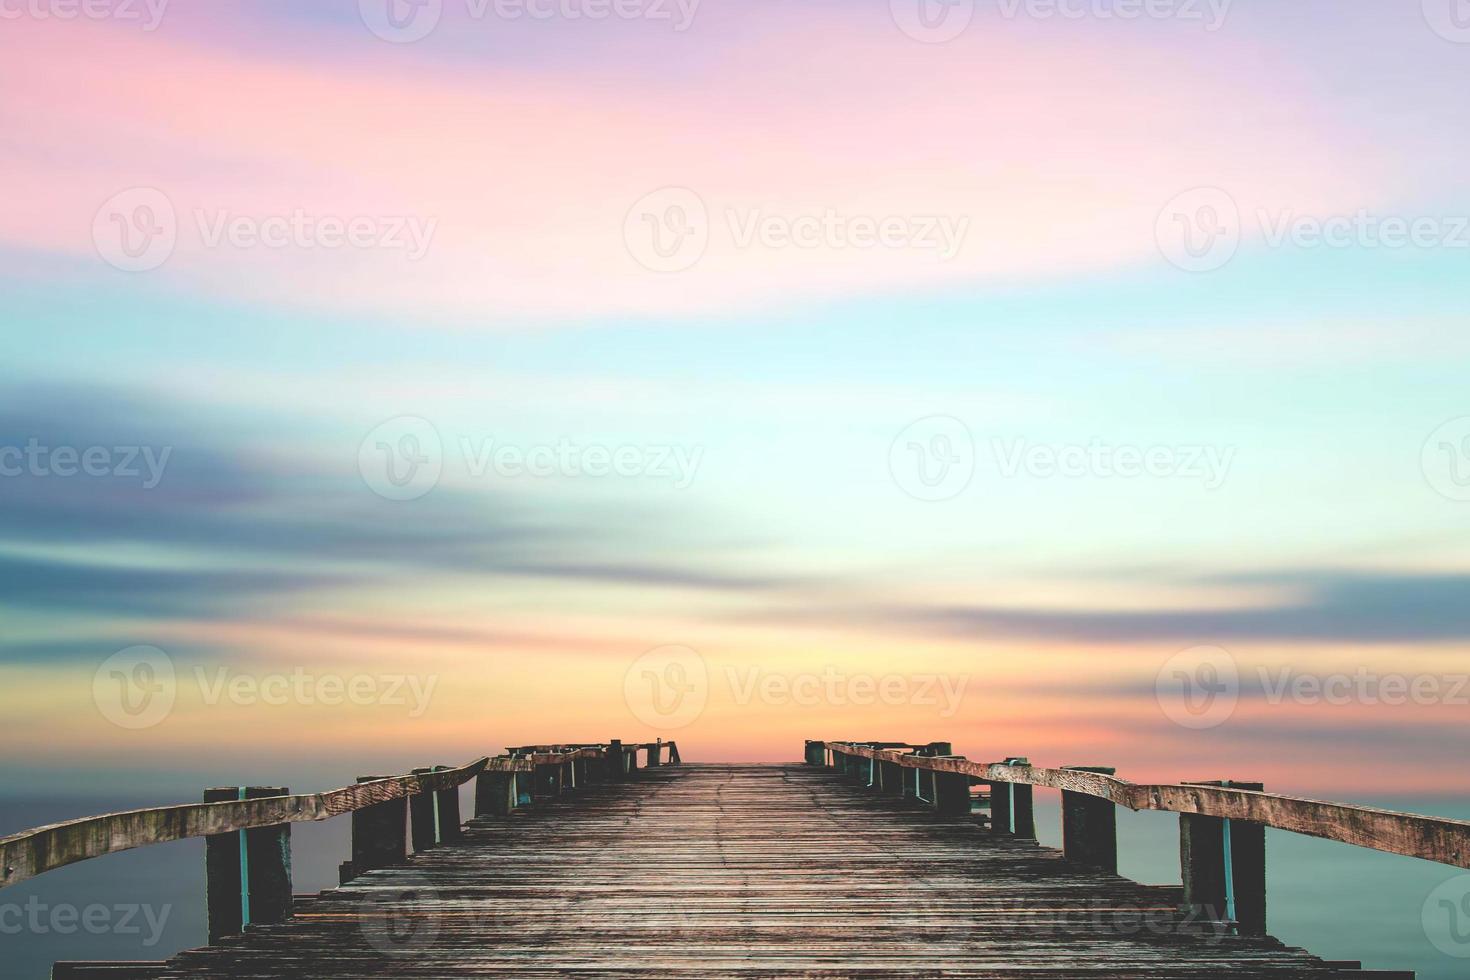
column 1090, row 826
column 812, row 748
column 892, row 778
column 1202, row 854
column 545, row 783
column 495, row 794
column 656, row 754
column 1000, row 808
column 613, row 758
column 1023, row 810
column 423, row 818
column 674, row 754
column 247, row 874
column 952, row 793
column 379, row 836
column 449, row 822
column 521, row 784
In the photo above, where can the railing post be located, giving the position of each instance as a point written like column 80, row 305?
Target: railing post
column 891, row 778
column 674, row 754
column 379, row 837
column 423, row 817
column 448, row 812
column 247, row 873
column 1012, row 805
column 613, row 758
column 1225, row 883
column 952, row 793
column 495, row 794
column 656, row 754
column 545, row 782
column 1000, row 808
column 1090, row 826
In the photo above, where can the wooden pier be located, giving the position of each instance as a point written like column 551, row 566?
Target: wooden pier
column 868, row 860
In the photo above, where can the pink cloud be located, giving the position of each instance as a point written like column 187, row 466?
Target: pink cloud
column 1054, row 159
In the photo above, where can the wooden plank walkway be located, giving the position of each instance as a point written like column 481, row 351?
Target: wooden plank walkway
column 741, row 871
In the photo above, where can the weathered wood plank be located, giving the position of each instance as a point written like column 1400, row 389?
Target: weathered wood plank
column 725, row 872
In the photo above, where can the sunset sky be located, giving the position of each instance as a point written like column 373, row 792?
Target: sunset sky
column 575, row 242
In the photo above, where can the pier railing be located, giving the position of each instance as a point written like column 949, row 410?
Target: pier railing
column 1222, row 823
column 248, row 832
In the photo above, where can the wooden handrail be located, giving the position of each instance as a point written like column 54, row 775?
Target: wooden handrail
column 1437, row 839
column 24, row 856
column 33, row 852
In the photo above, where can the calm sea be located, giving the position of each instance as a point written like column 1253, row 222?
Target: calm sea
column 1341, row 902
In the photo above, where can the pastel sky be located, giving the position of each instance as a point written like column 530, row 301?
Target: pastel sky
column 573, row 238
